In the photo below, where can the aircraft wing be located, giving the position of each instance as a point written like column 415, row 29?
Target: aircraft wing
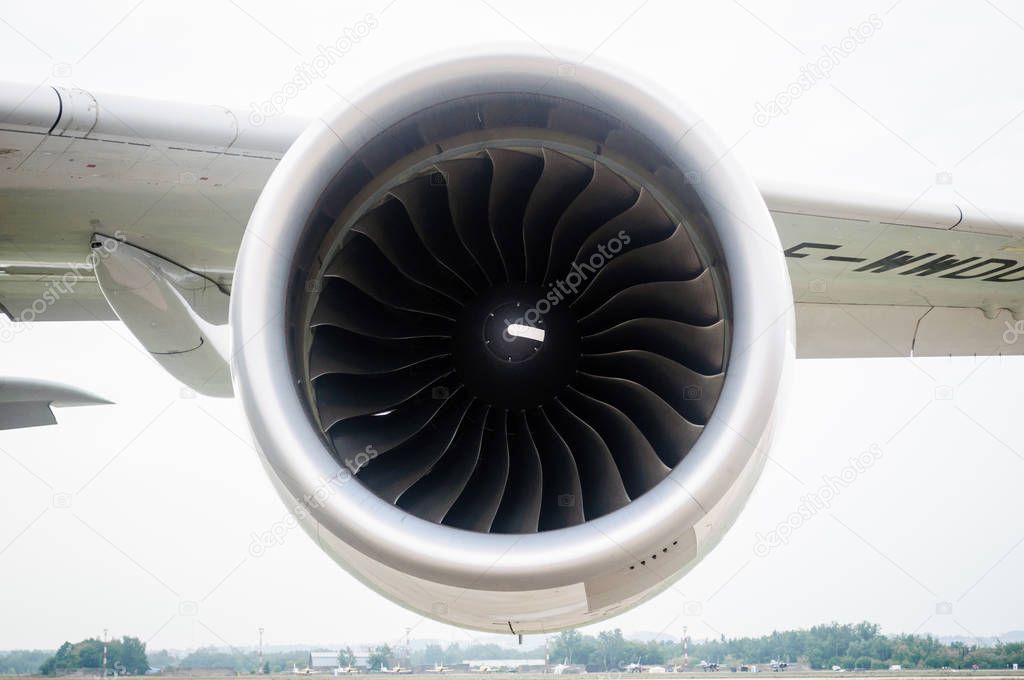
column 872, row 276
column 28, row 403
column 178, row 180
column 881, row 276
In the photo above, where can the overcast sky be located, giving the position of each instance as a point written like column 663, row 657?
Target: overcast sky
column 137, row 517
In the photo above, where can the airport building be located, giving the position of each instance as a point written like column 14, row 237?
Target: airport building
column 323, row 660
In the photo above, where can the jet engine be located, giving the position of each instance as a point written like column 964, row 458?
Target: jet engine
column 511, row 334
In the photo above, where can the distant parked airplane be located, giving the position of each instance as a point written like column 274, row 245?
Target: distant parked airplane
column 396, row 670
column 345, row 670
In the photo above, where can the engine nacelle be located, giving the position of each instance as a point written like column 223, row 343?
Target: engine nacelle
column 510, row 336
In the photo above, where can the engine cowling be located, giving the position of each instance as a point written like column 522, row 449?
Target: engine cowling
column 510, row 336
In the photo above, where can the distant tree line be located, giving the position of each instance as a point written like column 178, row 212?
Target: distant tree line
column 434, row 654
column 610, row 650
column 124, row 656
column 240, row 661
column 23, row 661
column 859, row 645
column 606, row 651
column 850, row 646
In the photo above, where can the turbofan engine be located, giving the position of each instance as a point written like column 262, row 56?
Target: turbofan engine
column 510, row 337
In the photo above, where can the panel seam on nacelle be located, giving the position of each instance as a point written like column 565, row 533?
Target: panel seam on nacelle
column 917, row 329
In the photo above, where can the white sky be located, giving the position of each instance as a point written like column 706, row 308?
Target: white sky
column 166, row 492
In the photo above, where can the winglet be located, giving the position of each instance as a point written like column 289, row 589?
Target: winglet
column 26, row 402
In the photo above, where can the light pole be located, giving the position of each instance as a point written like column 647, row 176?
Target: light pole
column 686, row 654
column 260, row 669
column 104, row 653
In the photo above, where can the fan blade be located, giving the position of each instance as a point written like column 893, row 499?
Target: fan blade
column 469, row 182
column 393, row 472
column 691, row 394
column 389, row 227
column 693, row 302
column 360, row 263
column 606, row 196
column 562, row 505
column 385, row 432
column 561, row 180
column 343, row 395
column 519, row 512
column 478, row 504
column 669, row 260
column 426, row 200
column 603, row 490
column 637, row 462
column 515, row 175
column 670, row 434
column 643, row 224
column 433, row 496
column 343, row 305
column 702, row 348
column 336, row 350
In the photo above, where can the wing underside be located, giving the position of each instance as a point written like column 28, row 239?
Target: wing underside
column 876, row 277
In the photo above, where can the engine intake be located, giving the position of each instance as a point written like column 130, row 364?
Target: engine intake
column 512, row 341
